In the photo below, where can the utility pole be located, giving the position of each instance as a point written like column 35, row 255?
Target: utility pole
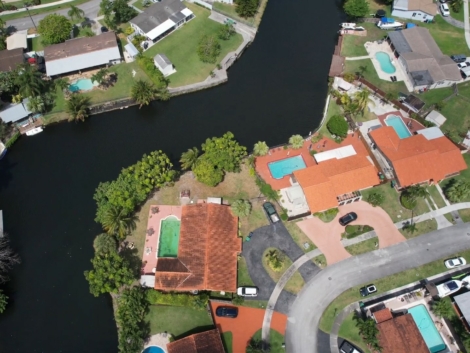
column 27, row 9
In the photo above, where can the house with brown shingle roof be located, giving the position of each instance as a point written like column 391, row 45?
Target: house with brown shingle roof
column 204, row 342
column 400, row 334
column 422, row 60
column 427, row 157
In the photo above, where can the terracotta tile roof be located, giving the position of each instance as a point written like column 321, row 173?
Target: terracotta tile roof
column 204, row 342
column 416, row 159
column 383, row 315
column 322, row 183
column 207, row 251
column 401, row 335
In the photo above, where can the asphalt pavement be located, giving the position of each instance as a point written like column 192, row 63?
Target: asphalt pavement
column 302, row 333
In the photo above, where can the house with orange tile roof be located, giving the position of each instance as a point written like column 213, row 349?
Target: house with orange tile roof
column 424, row 158
column 204, row 342
column 199, row 253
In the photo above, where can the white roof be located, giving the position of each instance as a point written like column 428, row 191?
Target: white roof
column 147, row 281
column 157, row 31
column 463, row 302
column 296, row 195
column 344, row 84
column 216, row 200
column 436, row 118
column 186, row 12
column 431, row 133
column 338, row 153
column 17, row 40
column 82, row 61
column 131, row 49
column 14, row 112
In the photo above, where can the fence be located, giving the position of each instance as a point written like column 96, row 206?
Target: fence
column 202, row 3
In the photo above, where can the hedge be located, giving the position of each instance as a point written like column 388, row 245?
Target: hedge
column 155, row 74
column 197, row 301
column 356, row 230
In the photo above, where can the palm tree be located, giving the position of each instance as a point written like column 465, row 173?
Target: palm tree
column 260, row 148
column 442, row 308
column 189, row 158
column 75, row 13
column 241, row 208
column 458, row 190
column 416, row 191
column 77, row 107
column 104, row 243
column 164, row 94
column 36, row 105
column 61, row 83
column 143, row 92
column 410, row 227
column 362, row 70
column 368, row 330
column 100, row 76
column 29, row 81
column 296, row 141
column 117, row 222
column 361, row 99
column 456, row 5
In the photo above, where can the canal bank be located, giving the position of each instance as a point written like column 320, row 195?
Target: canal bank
column 47, row 181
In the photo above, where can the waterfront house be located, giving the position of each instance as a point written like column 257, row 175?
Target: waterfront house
column 84, row 53
column 204, row 342
column 160, row 19
column 164, row 64
column 422, row 60
column 16, row 113
column 10, row 59
column 462, row 306
column 416, row 10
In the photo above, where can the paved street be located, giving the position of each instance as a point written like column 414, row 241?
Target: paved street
column 318, row 293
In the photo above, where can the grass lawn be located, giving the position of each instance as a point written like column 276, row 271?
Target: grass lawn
column 328, row 215
column 179, row 321
column 435, row 95
column 356, row 230
column 244, row 278
column 436, row 196
column 320, row 261
column 333, row 109
column 465, row 215
column 354, row 45
column 459, row 16
column 229, row 10
column 256, row 219
column 181, row 48
column 383, row 285
column 275, row 341
column 363, row 247
column 295, row 283
column 299, row 237
column 139, row 5
column 227, row 339
column 421, row 228
column 35, row 44
column 33, row 12
column 350, row 332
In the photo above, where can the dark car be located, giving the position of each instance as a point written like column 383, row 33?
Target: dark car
column 369, row 289
column 227, row 311
column 104, row 29
column 348, row 218
column 271, row 213
column 459, row 58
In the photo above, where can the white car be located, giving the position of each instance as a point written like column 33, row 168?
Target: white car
column 247, row 291
column 456, row 262
column 444, row 9
column 464, row 64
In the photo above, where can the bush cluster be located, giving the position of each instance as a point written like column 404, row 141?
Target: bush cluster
column 354, row 231
column 338, row 126
column 198, row 301
column 155, row 74
column 266, row 189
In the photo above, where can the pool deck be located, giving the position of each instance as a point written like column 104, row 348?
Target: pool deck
column 149, row 255
column 415, row 126
column 160, row 340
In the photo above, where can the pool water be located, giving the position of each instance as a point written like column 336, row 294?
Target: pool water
column 385, row 62
column 427, row 328
column 84, row 84
column 398, row 125
column 153, row 349
column 169, row 238
column 280, row 169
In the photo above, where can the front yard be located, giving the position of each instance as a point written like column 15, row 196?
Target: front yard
column 181, row 48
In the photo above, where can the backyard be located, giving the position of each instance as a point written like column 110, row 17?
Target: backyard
column 181, row 48
column 354, row 45
column 33, row 11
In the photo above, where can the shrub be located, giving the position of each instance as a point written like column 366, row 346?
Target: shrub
column 208, row 49
column 198, row 301
column 238, row 300
column 312, row 152
column 338, row 126
column 284, row 216
column 275, row 259
column 407, row 202
column 267, row 190
column 376, row 199
column 225, row 32
column 356, row 230
column 155, row 74
column 12, row 140
column 129, row 30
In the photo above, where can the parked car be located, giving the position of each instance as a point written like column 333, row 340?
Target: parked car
column 455, row 262
column 458, row 58
column 104, row 29
column 462, row 65
column 367, row 290
column 347, row 347
column 444, row 9
column 247, row 291
column 347, row 218
column 227, row 311
column 271, row 213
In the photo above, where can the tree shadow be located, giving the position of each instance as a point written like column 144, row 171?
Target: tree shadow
column 134, row 260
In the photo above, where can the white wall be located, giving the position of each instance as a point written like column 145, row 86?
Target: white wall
column 419, row 15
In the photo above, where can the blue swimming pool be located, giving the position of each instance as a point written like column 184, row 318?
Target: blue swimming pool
column 427, row 328
column 385, row 62
column 280, row 169
column 84, row 84
column 397, row 123
column 153, row 349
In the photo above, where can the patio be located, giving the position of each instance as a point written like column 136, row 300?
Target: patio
column 159, row 340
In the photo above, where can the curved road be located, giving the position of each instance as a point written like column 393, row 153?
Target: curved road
column 302, row 331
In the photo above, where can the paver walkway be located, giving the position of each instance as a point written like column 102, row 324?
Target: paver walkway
column 248, row 321
column 453, row 21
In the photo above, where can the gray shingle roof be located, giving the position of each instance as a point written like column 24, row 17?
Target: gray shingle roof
column 162, row 61
column 156, row 14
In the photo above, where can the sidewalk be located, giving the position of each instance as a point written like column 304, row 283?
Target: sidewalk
column 35, row 7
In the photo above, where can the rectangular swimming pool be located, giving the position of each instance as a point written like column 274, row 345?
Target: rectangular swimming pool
column 427, row 328
column 169, row 237
column 280, row 169
column 397, row 123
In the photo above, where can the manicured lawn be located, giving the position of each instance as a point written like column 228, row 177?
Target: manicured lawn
column 436, row 196
column 354, row 45
column 350, row 332
column 181, row 48
column 244, row 278
column 229, row 10
column 275, row 341
column 35, row 44
column 464, row 175
column 295, row 283
column 383, row 285
column 421, row 228
column 435, row 95
column 227, row 339
column 179, row 321
column 42, row 10
column 320, row 261
column 465, row 215
column 333, row 109
column 459, row 16
column 352, row 231
column 256, row 219
column 299, row 237
column 363, row 247
column 139, row 5
column 328, row 215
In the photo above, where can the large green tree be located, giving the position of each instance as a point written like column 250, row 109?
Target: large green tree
column 110, row 272
column 8, row 82
column 368, row 330
column 77, row 107
column 247, row 8
column 361, row 100
column 122, row 11
column 29, row 81
column 189, row 158
column 224, row 152
column 207, row 173
column 338, row 126
column 54, row 29
column 143, row 92
column 118, row 222
column 208, row 49
column 356, row 8
column 104, row 243
column 442, row 308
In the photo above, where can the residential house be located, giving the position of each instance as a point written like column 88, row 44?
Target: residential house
column 82, row 53
column 425, row 158
column 422, row 60
column 417, row 10
column 16, row 113
column 462, row 305
column 10, row 59
column 204, row 342
column 160, row 19
column 164, row 64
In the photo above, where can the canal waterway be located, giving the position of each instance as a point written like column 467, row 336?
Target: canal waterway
column 277, row 88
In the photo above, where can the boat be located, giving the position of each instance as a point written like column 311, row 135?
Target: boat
column 389, row 23
column 448, row 288
column 3, row 150
column 351, row 27
column 34, row 131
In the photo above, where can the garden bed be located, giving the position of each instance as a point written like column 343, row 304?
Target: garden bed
column 352, row 231
column 295, row 283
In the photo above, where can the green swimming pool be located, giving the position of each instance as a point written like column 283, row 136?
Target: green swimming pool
column 169, row 237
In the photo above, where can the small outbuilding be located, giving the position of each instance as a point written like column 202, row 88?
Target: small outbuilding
column 131, row 50
column 436, row 118
column 18, row 40
column 164, row 64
